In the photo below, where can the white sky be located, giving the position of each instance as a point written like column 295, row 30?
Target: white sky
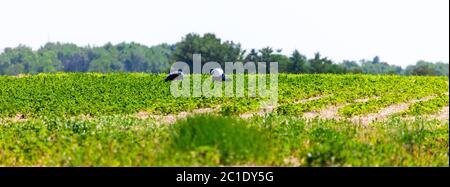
column 399, row 31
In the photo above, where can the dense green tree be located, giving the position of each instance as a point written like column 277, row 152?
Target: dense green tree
column 209, row 46
column 283, row 62
column 72, row 57
column 427, row 68
column 423, row 70
column 158, row 58
column 252, row 56
column 369, row 67
column 320, row 64
column 134, row 57
column 376, row 60
column 105, row 60
column 17, row 60
column 441, row 68
column 46, row 61
column 299, row 63
column 266, row 54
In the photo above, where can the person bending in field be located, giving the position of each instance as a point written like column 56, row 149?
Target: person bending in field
column 177, row 75
column 218, row 75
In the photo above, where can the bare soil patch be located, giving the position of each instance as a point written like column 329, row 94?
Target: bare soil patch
column 271, row 108
column 331, row 112
column 172, row 118
column 386, row 112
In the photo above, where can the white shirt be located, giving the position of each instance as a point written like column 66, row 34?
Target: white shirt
column 217, row 72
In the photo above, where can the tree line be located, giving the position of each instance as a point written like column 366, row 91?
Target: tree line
column 134, row 57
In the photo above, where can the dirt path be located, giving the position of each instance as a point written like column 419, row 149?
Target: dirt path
column 366, row 99
column 441, row 115
column 386, row 112
column 310, row 99
column 21, row 75
column 172, row 118
column 271, row 108
column 261, row 112
column 331, row 112
column 15, row 119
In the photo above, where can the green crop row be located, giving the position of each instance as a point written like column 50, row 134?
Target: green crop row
column 69, row 94
column 380, row 90
column 431, row 106
column 72, row 94
column 405, row 91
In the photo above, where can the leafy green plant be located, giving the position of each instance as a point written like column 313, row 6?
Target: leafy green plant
column 233, row 139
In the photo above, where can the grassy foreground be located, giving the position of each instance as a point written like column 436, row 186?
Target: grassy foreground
column 212, row 140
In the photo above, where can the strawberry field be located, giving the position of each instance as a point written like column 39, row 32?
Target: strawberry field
column 131, row 119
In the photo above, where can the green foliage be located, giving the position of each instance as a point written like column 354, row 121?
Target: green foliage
column 209, row 46
column 333, row 90
column 239, row 107
column 103, row 141
column 377, row 67
column 67, row 94
column 134, row 57
column 88, row 119
column 427, row 68
column 427, row 107
column 233, row 139
column 217, row 141
column 298, row 63
column 105, row 61
column 58, row 57
column 400, row 91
